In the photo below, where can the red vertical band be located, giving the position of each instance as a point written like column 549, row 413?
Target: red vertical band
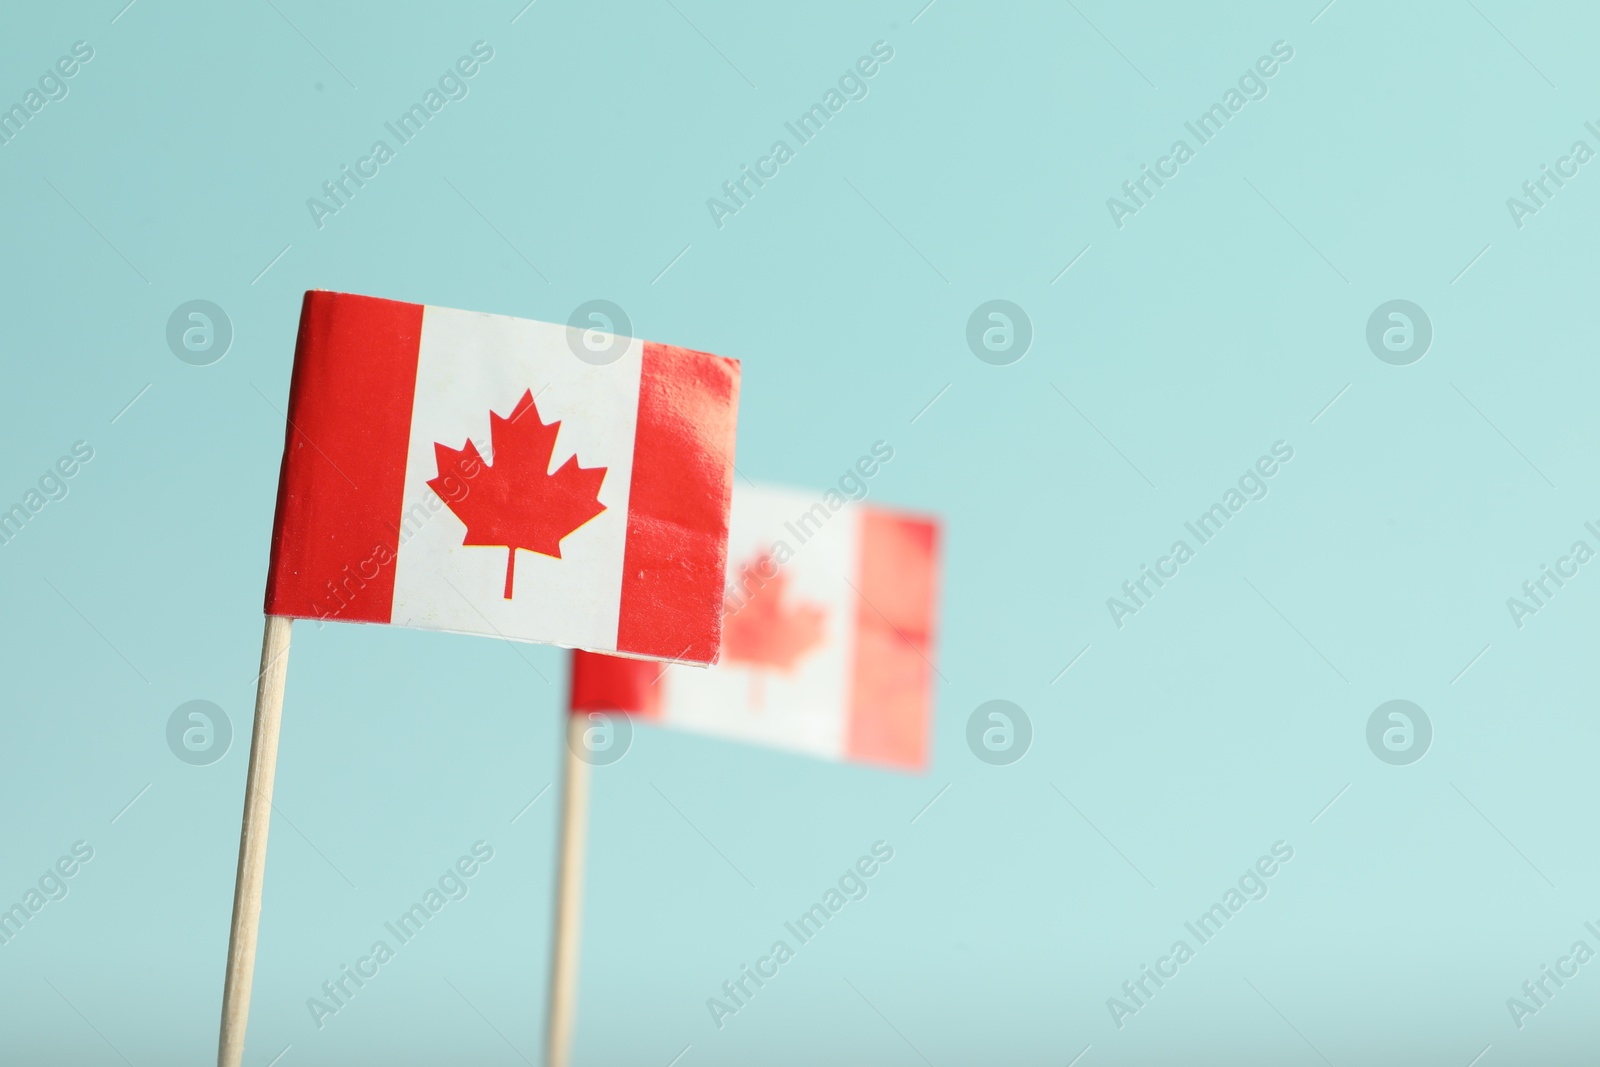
column 611, row 683
column 676, row 559
column 891, row 704
column 342, row 484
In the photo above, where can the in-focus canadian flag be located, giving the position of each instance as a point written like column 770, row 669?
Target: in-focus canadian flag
column 827, row 644
column 460, row 471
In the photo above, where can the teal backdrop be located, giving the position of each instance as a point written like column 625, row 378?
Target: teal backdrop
column 1176, row 334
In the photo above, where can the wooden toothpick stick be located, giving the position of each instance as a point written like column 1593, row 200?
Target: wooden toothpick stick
column 569, row 896
column 253, row 840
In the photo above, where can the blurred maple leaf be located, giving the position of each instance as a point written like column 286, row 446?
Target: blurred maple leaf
column 516, row 502
column 766, row 630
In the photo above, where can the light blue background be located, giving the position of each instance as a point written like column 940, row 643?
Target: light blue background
column 1219, row 720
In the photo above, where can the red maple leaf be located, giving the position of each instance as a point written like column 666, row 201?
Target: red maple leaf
column 766, row 630
column 516, row 502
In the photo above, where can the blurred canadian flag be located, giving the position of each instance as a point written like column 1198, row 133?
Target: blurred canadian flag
column 827, row 641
